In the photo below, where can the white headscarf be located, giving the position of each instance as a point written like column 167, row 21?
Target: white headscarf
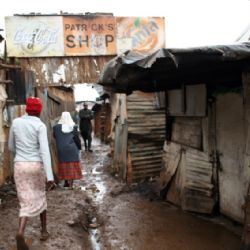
column 67, row 122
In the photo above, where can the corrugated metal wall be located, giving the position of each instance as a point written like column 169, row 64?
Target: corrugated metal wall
column 197, row 189
column 146, row 134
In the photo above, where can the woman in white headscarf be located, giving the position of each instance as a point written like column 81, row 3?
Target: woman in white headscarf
column 68, row 145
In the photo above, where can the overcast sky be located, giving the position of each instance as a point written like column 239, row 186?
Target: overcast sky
column 188, row 22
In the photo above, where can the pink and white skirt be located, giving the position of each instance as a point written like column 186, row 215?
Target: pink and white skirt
column 30, row 183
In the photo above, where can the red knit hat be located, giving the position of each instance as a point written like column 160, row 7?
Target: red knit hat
column 33, row 106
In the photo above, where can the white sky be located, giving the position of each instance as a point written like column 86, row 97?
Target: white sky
column 85, row 92
column 188, row 22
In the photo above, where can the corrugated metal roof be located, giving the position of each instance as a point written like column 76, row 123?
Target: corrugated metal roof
column 169, row 68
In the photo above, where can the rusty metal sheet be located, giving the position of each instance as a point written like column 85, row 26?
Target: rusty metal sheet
column 196, row 100
column 171, row 160
column 198, row 189
column 65, row 70
column 187, row 131
column 175, row 102
column 146, row 135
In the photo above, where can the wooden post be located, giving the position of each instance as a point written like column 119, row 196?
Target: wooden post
column 245, row 242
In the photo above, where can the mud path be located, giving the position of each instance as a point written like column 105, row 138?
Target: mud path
column 102, row 212
column 134, row 217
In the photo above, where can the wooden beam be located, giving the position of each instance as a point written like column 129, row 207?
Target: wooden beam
column 6, row 81
column 9, row 66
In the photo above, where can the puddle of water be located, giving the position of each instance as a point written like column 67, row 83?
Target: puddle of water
column 93, row 238
column 102, row 191
column 93, row 171
column 96, row 172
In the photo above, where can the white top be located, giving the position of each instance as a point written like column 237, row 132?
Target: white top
column 28, row 140
column 67, row 122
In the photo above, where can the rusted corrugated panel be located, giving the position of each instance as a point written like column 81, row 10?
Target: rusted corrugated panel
column 65, row 70
column 186, row 178
column 146, row 134
column 187, row 131
column 197, row 190
column 120, row 148
column 171, row 160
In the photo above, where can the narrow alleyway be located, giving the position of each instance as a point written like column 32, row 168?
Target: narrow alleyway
column 104, row 213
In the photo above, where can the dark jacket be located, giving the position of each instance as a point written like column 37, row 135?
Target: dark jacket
column 67, row 149
column 86, row 116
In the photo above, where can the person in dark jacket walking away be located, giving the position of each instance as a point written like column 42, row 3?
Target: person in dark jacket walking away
column 68, row 146
column 32, row 167
column 85, row 116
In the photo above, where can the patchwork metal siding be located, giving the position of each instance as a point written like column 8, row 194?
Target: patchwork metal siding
column 65, row 70
column 146, row 134
column 198, row 190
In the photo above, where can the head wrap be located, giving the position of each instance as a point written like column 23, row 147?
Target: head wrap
column 33, row 106
column 67, row 122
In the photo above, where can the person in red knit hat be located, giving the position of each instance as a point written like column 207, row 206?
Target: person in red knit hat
column 34, row 106
column 32, row 167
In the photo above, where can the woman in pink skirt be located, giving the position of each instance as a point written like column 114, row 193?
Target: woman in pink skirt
column 32, row 167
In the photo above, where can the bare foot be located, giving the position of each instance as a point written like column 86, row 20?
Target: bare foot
column 20, row 242
column 44, row 236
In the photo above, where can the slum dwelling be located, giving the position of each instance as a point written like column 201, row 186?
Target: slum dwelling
column 205, row 159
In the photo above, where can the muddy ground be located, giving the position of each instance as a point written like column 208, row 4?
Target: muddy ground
column 102, row 212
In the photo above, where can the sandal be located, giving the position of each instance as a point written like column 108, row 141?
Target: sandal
column 20, row 243
column 44, row 236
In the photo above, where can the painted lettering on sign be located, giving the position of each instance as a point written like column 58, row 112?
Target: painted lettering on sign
column 34, row 36
column 96, row 41
column 37, row 38
column 89, row 36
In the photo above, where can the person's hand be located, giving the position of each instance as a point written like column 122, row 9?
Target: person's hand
column 51, row 185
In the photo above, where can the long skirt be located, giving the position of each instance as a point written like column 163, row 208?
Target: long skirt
column 30, row 183
column 69, row 171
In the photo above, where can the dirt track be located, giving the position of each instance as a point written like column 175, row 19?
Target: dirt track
column 103, row 213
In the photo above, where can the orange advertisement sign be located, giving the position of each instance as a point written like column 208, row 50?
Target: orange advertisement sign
column 89, row 35
column 144, row 34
